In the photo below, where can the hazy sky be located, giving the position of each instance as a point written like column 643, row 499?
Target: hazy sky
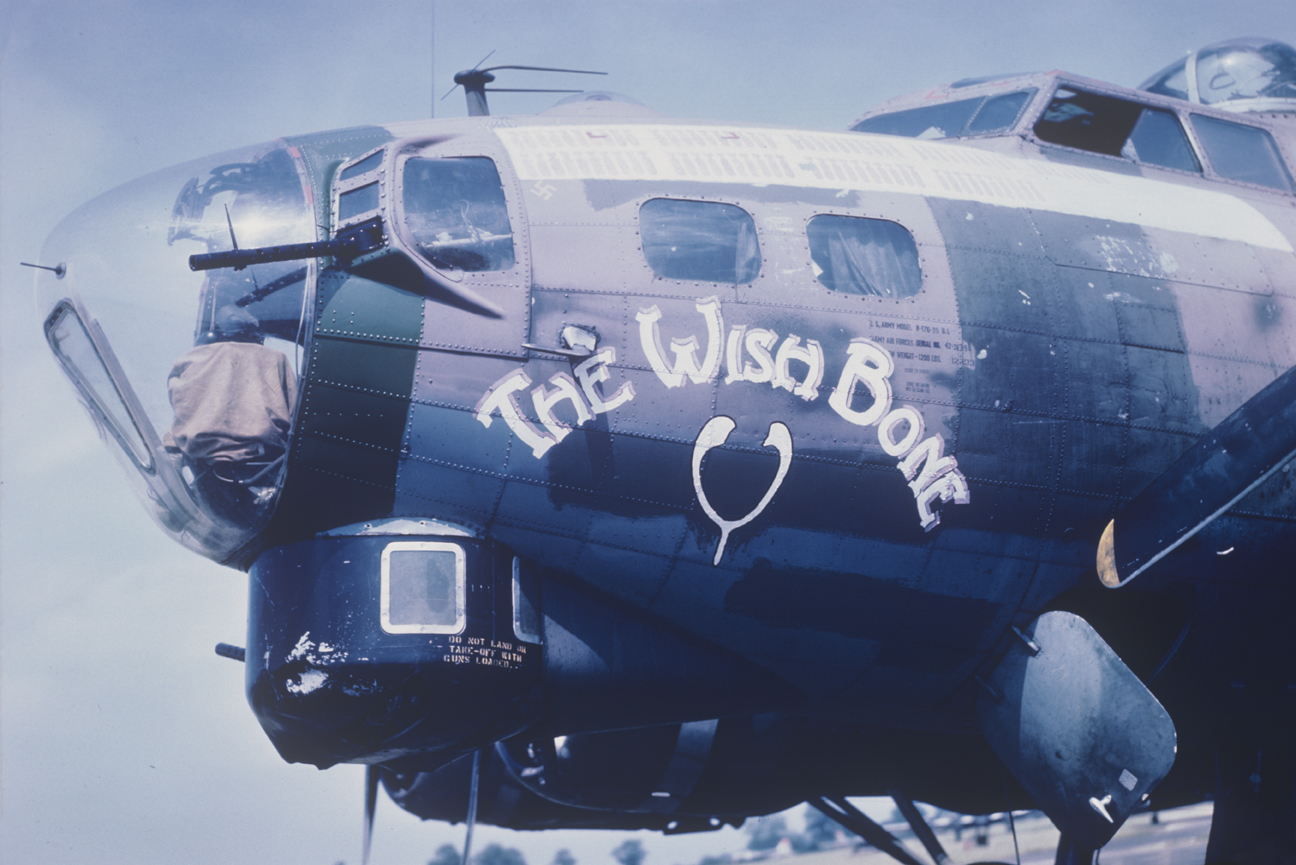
column 124, row 738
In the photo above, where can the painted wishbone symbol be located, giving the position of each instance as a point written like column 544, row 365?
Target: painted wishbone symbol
column 714, row 434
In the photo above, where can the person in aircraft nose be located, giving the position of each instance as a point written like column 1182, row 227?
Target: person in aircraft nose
column 233, row 398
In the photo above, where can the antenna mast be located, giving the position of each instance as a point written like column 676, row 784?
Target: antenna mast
column 474, row 83
column 432, row 62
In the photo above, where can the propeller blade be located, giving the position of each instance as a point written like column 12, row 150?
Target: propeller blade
column 472, row 806
column 470, row 72
column 529, row 90
column 371, row 804
column 1226, row 464
column 543, row 69
column 478, row 71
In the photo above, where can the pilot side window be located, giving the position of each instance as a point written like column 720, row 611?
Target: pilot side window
column 1158, row 139
column 1242, row 153
column 1116, row 127
column 454, row 208
column 956, row 119
column 855, row 255
column 702, row 240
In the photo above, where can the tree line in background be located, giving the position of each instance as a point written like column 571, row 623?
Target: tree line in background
column 766, row 833
column 763, row 834
column 629, row 852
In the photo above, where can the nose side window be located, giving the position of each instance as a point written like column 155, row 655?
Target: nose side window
column 706, row 241
column 856, row 255
column 455, row 210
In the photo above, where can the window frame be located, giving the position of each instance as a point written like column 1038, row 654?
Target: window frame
column 401, row 214
column 1194, row 145
column 751, row 218
column 1204, row 153
column 519, row 596
column 347, row 180
column 461, row 584
column 918, row 257
column 1031, row 93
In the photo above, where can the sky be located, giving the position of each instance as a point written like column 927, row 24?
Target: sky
column 123, row 737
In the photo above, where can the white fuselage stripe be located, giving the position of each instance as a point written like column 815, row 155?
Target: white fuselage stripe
column 873, row 163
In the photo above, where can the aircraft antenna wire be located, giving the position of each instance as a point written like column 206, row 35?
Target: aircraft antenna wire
column 432, row 59
column 1012, row 823
column 471, row 819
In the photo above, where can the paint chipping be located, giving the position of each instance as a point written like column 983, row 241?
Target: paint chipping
column 303, row 646
column 307, row 682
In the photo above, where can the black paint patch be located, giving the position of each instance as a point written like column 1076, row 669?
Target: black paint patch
column 858, row 606
column 351, row 418
column 627, row 476
column 987, row 228
column 1267, row 312
column 356, row 308
column 1150, row 326
column 353, row 415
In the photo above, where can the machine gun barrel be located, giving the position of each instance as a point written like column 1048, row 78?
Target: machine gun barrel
column 363, row 238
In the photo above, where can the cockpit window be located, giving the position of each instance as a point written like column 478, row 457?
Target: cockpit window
column 962, row 117
column 1158, row 139
column 999, row 112
column 1240, row 152
column 702, row 240
column 1116, row 127
column 855, row 255
column 1088, row 121
column 455, row 209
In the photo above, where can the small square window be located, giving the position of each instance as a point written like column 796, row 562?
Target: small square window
column 357, row 201
column 364, row 166
column 423, row 587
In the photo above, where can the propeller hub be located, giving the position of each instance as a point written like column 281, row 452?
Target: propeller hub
column 473, row 78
